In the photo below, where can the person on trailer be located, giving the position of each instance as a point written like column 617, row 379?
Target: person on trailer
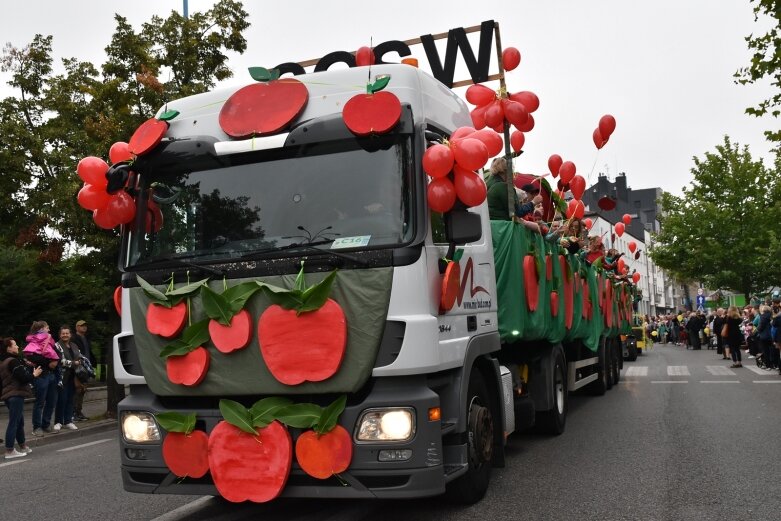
column 497, row 194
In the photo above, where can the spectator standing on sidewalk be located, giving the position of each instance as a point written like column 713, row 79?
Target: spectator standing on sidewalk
column 693, row 326
column 769, row 351
column 734, row 338
column 85, row 348
column 41, row 352
column 718, row 324
column 16, row 387
column 70, row 360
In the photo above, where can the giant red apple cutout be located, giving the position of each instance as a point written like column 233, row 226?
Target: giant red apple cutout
column 263, row 108
column 375, row 112
column 166, row 314
column 185, row 450
column 230, row 327
column 303, row 334
column 150, row 133
column 187, row 361
column 250, row 453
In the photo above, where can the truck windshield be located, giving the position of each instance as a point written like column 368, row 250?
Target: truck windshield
column 267, row 201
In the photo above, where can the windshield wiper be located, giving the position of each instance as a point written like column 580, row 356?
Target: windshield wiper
column 179, row 262
column 311, row 246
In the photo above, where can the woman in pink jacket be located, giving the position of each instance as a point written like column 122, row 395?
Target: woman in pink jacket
column 40, row 351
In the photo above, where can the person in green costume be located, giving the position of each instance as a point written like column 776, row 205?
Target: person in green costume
column 497, row 194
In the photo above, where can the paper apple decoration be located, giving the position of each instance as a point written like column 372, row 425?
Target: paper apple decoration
column 150, row 133
column 375, row 112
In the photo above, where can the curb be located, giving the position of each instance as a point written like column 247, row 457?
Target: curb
column 85, row 429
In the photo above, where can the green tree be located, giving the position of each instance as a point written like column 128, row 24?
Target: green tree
column 765, row 61
column 721, row 231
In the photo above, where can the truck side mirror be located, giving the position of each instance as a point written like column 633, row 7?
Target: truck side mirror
column 462, row 226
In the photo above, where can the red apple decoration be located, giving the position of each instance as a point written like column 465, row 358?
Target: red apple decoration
column 188, row 369
column 164, row 321
column 150, row 133
column 185, row 450
column 375, row 112
column 323, row 455
column 233, row 337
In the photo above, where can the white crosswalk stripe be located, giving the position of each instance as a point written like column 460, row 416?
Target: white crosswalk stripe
column 678, row 370
column 719, row 370
column 757, row 370
column 637, row 370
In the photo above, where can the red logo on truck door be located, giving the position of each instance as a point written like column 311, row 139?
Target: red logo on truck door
column 472, row 302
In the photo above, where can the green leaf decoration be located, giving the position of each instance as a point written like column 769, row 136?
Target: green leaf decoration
column 237, row 415
column 176, row 422
column 315, row 296
column 380, row 82
column 187, row 290
column 168, row 115
column 331, row 415
column 286, row 298
column 458, row 254
column 193, row 336
column 153, row 293
column 216, row 306
column 238, row 295
column 301, row 416
column 265, row 411
column 300, row 283
column 263, row 74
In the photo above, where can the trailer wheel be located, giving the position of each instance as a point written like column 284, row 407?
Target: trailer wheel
column 554, row 420
column 471, row 487
column 615, row 356
column 600, row 386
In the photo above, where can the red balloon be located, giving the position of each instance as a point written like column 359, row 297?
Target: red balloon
column 619, row 229
column 577, row 186
column 119, row 153
column 91, row 197
column 567, row 171
column 478, row 117
column 93, row 170
column 441, row 195
column 438, row 160
column 364, row 56
column 480, row 95
column 121, row 207
column 599, row 141
column 470, row 153
column 511, row 57
column 470, row 189
column 588, row 223
column 621, row 265
column 517, row 139
column 607, row 124
column 104, row 219
column 632, row 246
column 494, row 114
column 491, row 140
column 461, row 132
column 575, row 209
column 626, row 218
column 554, row 164
column 528, row 99
column 636, row 277
column 515, row 113
column 528, row 126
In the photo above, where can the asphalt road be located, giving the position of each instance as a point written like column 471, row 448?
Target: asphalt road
column 681, row 437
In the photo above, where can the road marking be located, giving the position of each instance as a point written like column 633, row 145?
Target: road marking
column 637, row 370
column 185, row 510
column 719, row 370
column 757, row 370
column 20, row 460
column 669, row 381
column 719, row 381
column 85, row 445
column 678, row 370
column 767, row 381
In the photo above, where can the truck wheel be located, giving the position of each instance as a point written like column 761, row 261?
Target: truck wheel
column 616, row 361
column 471, row 487
column 599, row 386
column 554, row 420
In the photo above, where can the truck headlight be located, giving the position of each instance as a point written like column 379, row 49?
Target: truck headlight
column 139, row 427
column 392, row 424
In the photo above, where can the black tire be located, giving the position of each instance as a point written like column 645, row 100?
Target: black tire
column 600, row 386
column 615, row 350
column 632, row 351
column 554, row 420
column 471, row 487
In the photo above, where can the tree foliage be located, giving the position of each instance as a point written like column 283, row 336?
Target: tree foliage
column 765, row 61
column 61, row 112
column 722, row 230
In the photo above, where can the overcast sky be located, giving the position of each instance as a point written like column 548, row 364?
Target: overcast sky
column 663, row 69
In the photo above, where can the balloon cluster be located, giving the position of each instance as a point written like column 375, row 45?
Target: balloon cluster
column 568, row 180
column 607, row 124
column 108, row 210
column 452, row 166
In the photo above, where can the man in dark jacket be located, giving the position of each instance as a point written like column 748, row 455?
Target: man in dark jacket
column 70, row 359
column 718, row 324
column 694, row 326
column 769, row 351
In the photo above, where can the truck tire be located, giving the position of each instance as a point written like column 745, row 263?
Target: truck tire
column 615, row 351
column 600, row 386
column 471, row 487
column 554, row 420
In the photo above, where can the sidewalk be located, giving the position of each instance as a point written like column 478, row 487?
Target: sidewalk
column 94, row 409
